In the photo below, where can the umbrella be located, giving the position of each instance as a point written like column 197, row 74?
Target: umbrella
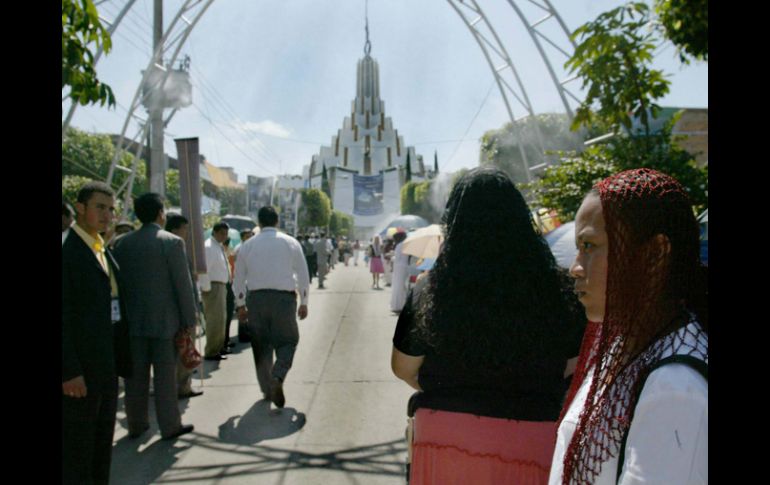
column 427, row 264
column 408, row 222
column 424, row 242
column 562, row 243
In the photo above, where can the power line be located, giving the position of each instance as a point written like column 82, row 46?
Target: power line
column 489, row 91
column 231, row 142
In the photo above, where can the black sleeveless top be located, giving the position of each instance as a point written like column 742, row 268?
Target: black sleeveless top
column 530, row 391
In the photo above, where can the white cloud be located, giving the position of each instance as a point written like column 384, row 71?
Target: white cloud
column 267, row 127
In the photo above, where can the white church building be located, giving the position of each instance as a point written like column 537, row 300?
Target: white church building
column 366, row 162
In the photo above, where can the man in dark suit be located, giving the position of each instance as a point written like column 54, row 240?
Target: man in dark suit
column 90, row 308
column 159, row 297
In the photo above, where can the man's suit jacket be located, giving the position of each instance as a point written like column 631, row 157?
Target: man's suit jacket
column 158, row 288
column 87, row 329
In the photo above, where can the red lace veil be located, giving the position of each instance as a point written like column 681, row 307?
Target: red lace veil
column 651, row 292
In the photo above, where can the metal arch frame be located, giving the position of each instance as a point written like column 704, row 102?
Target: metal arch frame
column 500, row 50
column 502, row 53
column 110, row 30
column 163, row 47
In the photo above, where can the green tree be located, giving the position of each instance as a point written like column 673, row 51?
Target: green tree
column 613, row 59
column 686, row 24
column 408, row 204
column 325, row 183
column 416, row 200
column 70, row 186
column 81, row 29
column 562, row 187
column 340, row 224
column 233, row 200
column 90, row 155
column 315, row 210
column 408, row 168
column 500, row 147
column 172, row 187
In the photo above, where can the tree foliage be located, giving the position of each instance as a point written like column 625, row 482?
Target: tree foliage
column 613, row 59
column 90, row 155
column 81, row 29
column 233, row 200
column 341, row 224
column 562, row 187
column 501, row 148
column 316, row 209
column 416, row 200
column 686, row 24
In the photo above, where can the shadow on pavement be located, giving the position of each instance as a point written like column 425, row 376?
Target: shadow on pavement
column 133, row 467
column 260, row 423
column 377, row 459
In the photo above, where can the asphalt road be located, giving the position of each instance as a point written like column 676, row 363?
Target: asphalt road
column 344, row 418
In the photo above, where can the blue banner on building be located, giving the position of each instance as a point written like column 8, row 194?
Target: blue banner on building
column 367, row 192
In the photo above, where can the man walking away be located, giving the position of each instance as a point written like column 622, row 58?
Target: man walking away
column 269, row 272
column 159, row 298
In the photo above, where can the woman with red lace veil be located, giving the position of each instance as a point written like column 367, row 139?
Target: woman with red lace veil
column 637, row 410
column 485, row 338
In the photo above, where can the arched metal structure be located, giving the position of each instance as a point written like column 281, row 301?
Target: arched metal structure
column 474, row 18
column 172, row 41
column 110, row 30
column 502, row 66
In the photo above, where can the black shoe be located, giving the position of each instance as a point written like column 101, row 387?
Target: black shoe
column 190, row 394
column 186, row 428
column 231, row 344
column 216, row 357
column 276, row 392
column 225, row 351
column 140, row 433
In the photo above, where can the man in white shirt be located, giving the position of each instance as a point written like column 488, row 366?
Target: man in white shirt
column 213, row 286
column 269, row 272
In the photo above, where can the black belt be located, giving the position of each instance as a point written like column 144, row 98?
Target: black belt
column 292, row 293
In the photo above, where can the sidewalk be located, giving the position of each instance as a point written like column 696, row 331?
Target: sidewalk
column 344, row 418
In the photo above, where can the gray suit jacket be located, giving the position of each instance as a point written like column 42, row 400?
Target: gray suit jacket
column 158, row 289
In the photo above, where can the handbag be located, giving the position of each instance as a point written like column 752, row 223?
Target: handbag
column 187, row 352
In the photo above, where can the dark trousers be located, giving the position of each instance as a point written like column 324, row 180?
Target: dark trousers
column 310, row 260
column 273, row 328
column 229, row 309
column 88, row 425
column 162, row 356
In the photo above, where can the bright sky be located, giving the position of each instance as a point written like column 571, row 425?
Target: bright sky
column 273, row 79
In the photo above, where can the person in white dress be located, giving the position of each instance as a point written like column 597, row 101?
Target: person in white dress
column 400, row 274
column 637, row 410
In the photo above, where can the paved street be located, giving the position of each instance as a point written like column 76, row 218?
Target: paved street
column 344, row 418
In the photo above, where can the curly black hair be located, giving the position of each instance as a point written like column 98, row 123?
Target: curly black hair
column 496, row 295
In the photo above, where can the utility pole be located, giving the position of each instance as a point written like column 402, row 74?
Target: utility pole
column 158, row 167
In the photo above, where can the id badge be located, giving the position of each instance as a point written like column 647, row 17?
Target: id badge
column 115, row 310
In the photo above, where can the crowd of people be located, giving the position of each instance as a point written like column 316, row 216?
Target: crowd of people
column 130, row 295
column 524, row 372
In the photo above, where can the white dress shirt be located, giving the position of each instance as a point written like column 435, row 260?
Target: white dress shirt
column 270, row 261
column 216, row 265
column 668, row 438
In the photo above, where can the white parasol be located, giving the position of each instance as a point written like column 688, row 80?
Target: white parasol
column 424, row 242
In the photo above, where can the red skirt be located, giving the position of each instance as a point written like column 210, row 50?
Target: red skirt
column 459, row 448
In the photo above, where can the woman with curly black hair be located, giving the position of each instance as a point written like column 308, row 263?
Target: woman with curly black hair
column 486, row 338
